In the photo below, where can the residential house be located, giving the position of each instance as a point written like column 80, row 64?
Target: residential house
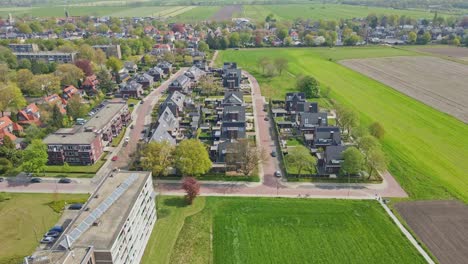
column 309, row 121
column 55, row 99
column 194, row 73
column 157, row 73
column 165, row 66
column 69, row 91
column 232, row 76
column 47, row 56
column 233, row 98
column 324, row 137
column 159, row 49
column 181, row 84
column 29, row 115
column 167, row 127
column 9, row 129
column 89, row 85
column 145, row 80
column 24, row 47
column 296, row 103
column 233, row 122
column 175, row 102
column 131, row 89
column 330, row 161
column 130, row 66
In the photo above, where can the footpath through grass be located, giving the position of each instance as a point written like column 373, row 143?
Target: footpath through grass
column 427, row 148
column 276, row 230
column 24, row 219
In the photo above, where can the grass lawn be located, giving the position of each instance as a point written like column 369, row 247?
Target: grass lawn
column 83, row 169
column 276, row 230
column 293, row 142
column 68, row 175
column 426, row 147
column 116, row 141
column 132, row 101
column 200, row 13
column 23, row 220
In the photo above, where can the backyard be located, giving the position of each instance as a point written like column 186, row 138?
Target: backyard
column 24, row 218
column 275, row 230
column 426, row 147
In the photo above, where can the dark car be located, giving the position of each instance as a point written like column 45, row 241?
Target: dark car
column 64, row 180
column 266, row 118
column 273, row 153
column 36, row 180
column 56, row 228
column 1, row 179
column 76, row 206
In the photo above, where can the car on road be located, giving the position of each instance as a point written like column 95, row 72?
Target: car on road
column 52, row 234
column 1, row 179
column 56, row 228
column 266, row 118
column 115, row 158
column 127, row 139
column 36, row 180
column 277, row 173
column 274, row 154
column 116, row 169
column 47, row 240
column 132, row 126
column 76, row 206
column 64, row 180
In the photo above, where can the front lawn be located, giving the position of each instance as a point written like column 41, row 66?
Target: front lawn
column 24, row 219
column 116, row 141
column 83, row 169
column 275, row 230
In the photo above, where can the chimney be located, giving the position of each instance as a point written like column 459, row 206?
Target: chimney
column 320, row 121
column 332, row 133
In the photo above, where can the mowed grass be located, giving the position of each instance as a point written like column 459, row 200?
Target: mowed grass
column 427, row 148
column 23, row 221
column 200, row 13
column 279, row 230
column 324, row 11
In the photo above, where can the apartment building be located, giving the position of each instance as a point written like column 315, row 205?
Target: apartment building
column 110, row 50
column 24, row 47
column 113, row 228
column 84, row 144
column 47, row 56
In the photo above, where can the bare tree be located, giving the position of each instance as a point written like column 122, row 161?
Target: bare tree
column 245, row 156
column 281, row 65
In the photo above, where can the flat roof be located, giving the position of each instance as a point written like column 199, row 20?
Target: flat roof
column 78, row 135
column 102, row 236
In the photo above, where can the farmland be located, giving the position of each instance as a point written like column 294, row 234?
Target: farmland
column 274, row 230
column 449, row 51
column 427, row 148
column 24, row 218
column 441, row 225
column 435, row 82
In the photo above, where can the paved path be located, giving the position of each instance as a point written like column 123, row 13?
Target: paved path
column 272, row 186
column 406, row 232
column 213, row 59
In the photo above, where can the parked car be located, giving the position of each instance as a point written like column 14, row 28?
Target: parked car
column 132, row 126
column 273, row 154
column 64, row 180
column 127, row 139
column 115, row 158
column 1, row 179
column 76, row 206
column 266, row 118
column 47, row 240
column 277, row 173
column 52, row 234
column 36, row 180
column 56, row 228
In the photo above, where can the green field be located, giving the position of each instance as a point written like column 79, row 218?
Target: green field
column 323, row 11
column 427, row 148
column 23, row 220
column 200, row 13
column 275, row 230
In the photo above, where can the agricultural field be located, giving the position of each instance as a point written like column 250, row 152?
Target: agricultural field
column 427, row 148
column 277, row 230
column 200, row 13
column 226, row 13
column 441, row 225
column 436, row 82
column 323, row 11
column 449, row 51
column 24, row 218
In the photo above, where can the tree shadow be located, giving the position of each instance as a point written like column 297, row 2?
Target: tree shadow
column 178, row 202
column 162, row 213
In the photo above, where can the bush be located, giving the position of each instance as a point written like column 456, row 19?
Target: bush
column 5, row 165
column 377, row 130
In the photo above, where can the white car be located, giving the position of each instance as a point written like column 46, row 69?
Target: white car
column 47, row 240
column 277, row 173
column 127, row 139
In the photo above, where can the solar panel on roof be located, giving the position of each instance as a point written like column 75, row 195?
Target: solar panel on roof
column 96, row 213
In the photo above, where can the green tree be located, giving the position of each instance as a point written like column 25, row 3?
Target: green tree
column 33, row 132
column 347, row 118
column 11, row 97
column 262, row 62
column 309, row 86
column 367, row 143
column 376, row 161
column 352, row 40
column 66, row 168
column 35, row 157
column 86, row 52
column 69, row 74
column 75, row 107
column 234, row 39
column 5, row 166
column 377, row 130
column 105, row 81
column 424, row 38
column 157, row 157
column 57, row 117
column 43, row 84
column 281, row 64
column 4, row 73
column 412, row 37
column 191, row 158
column 301, row 158
column 203, row 47
column 24, row 28
column 8, row 143
column 353, row 161
column 6, row 55
column 114, row 64
column 36, row 27
column 24, row 64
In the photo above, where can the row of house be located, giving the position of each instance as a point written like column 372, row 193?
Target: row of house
column 304, row 118
column 134, row 87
